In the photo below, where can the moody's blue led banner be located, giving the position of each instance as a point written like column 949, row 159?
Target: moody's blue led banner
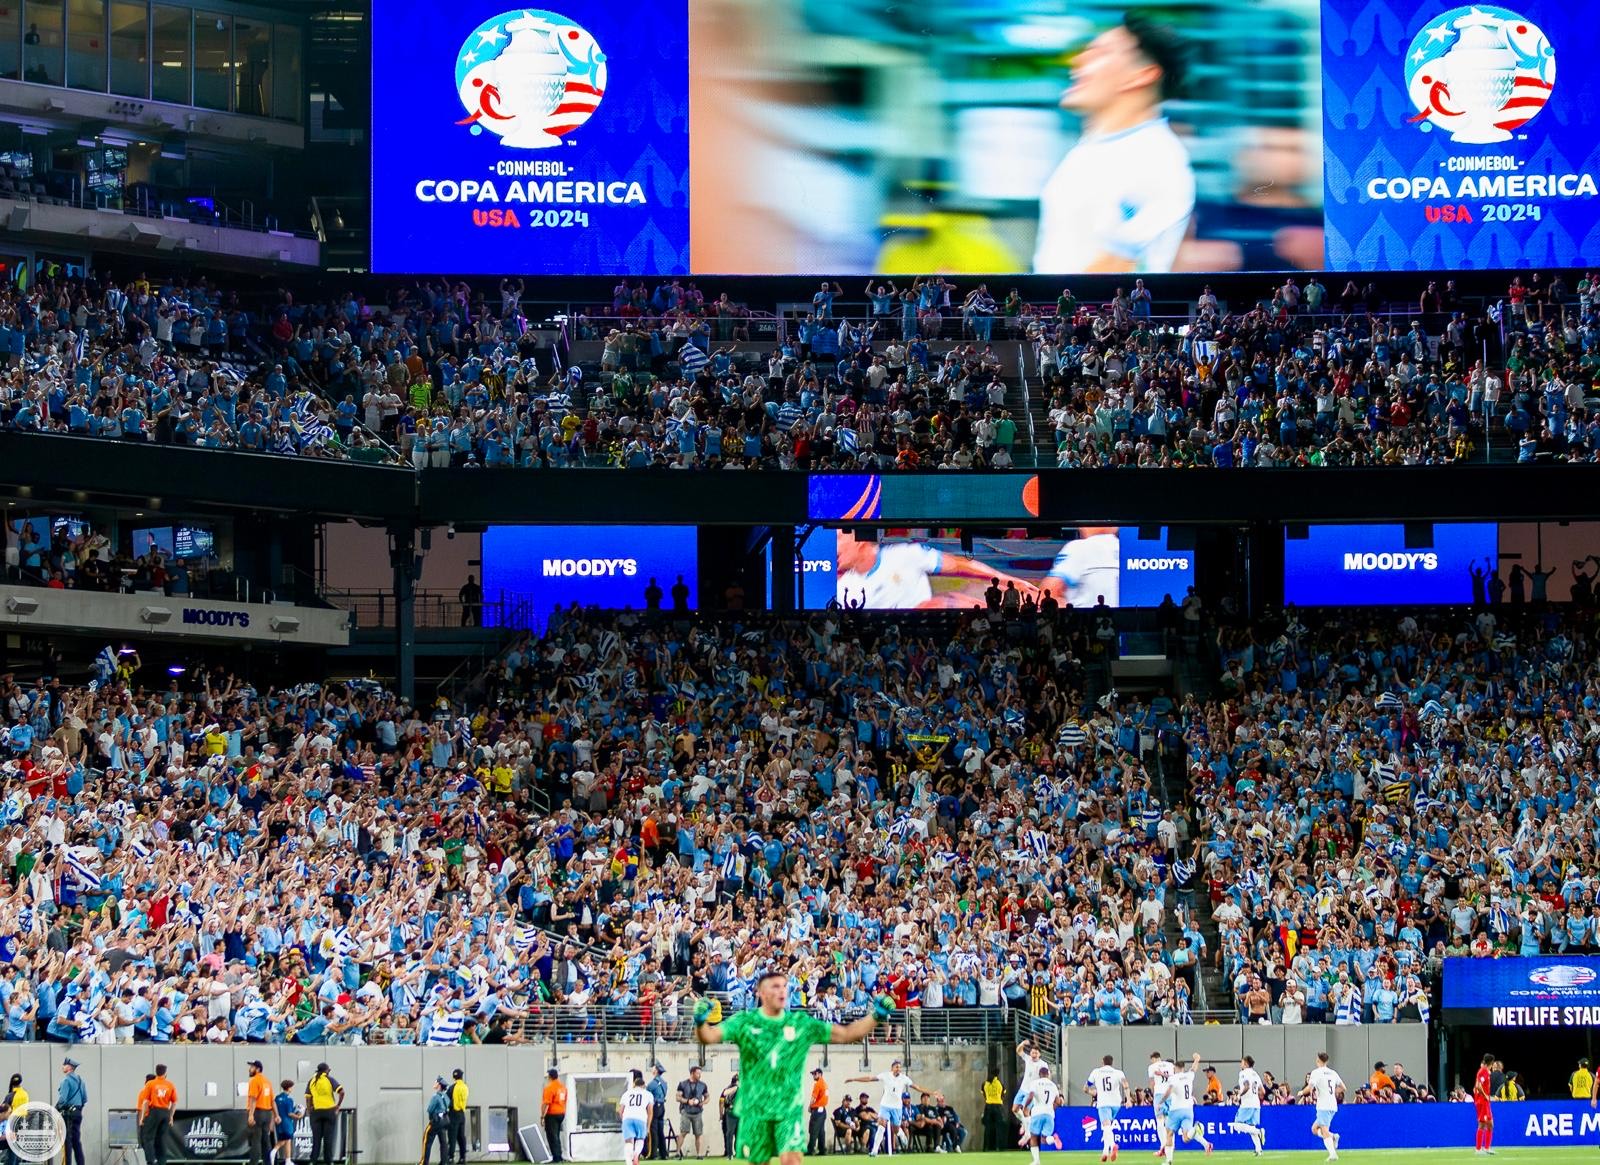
column 1541, row 991
column 1360, row 1126
column 530, row 140
column 1352, row 566
column 1460, row 136
column 608, row 567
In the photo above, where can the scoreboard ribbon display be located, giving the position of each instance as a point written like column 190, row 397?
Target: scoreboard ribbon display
column 1460, row 136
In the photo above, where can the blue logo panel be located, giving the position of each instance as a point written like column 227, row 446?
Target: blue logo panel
column 1460, row 136
column 1535, row 991
column 1352, row 566
column 530, row 141
column 608, row 567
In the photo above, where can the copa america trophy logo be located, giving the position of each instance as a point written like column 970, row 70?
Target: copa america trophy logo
column 529, row 77
column 36, row 1132
column 1479, row 74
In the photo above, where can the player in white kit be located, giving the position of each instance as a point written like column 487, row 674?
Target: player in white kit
column 1327, row 1090
column 1160, row 1076
column 1107, row 1087
column 1122, row 198
column 891, row 1105
column 1042, row 1099
column 1032, row 1065
column 634, row 1109
column 1180, row 1110
column 1248, row 1119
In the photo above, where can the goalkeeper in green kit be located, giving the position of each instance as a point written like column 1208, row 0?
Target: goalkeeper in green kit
column 774, row 1044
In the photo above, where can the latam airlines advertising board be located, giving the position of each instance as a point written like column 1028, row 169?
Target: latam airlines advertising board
column 533, row 141
column 1460, row 136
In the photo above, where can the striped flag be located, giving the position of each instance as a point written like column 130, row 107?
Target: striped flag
column 1389, row 702
column 1072, row 735
column 606, row 644
column 308, row 429
column 445, row 1030
column 691, row 359
column 849, row 440
column 80, row 863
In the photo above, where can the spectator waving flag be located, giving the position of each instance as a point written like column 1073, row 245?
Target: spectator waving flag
column 691, row 359
column 1072, row 735
column 81, row 860
column 1388, row 702
column 308, row 429
column 849, row 440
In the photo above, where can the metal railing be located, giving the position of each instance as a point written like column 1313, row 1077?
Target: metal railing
column 434, row 609
column 920, row 1032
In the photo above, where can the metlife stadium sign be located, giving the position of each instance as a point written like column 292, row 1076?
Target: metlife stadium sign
column 530, row 140
column 1541, row 991
column 1360, row 1126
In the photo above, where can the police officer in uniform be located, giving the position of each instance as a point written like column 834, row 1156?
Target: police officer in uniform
column 72, row 1096
column 657, row 1088
column 730, row 1115
column 438, row 1122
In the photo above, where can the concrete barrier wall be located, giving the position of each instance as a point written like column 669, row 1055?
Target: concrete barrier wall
column 388, row 1087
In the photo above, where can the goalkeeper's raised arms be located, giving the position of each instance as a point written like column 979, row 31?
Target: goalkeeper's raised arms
column 883, row 1008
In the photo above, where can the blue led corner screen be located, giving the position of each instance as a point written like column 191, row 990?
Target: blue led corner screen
column 1150, row 571
column 600, row 566
column 1369, row 565
column 1536, row 991
column 1459, row 136
column 529, row 140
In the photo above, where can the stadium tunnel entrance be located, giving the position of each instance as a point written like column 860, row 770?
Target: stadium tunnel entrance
column 1543, row 1058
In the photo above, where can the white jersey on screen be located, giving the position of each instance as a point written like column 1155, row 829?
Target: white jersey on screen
column 1128, row 194
column 898, row 580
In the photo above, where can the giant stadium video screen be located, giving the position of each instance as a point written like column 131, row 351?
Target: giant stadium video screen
column 862, row 136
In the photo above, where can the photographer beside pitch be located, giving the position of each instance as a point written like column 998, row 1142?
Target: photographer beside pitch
column 773, row 1045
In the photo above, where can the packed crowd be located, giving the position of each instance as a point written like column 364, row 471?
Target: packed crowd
column 1377, row 794
column 443, row 374
column 641, row 810
column 1300, row 379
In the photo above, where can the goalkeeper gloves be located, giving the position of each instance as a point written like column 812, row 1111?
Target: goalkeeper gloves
column 883, row 1007
column 706, row 1011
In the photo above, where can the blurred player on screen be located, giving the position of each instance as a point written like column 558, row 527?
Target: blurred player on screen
column 1122, row 198
column 896, row 576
